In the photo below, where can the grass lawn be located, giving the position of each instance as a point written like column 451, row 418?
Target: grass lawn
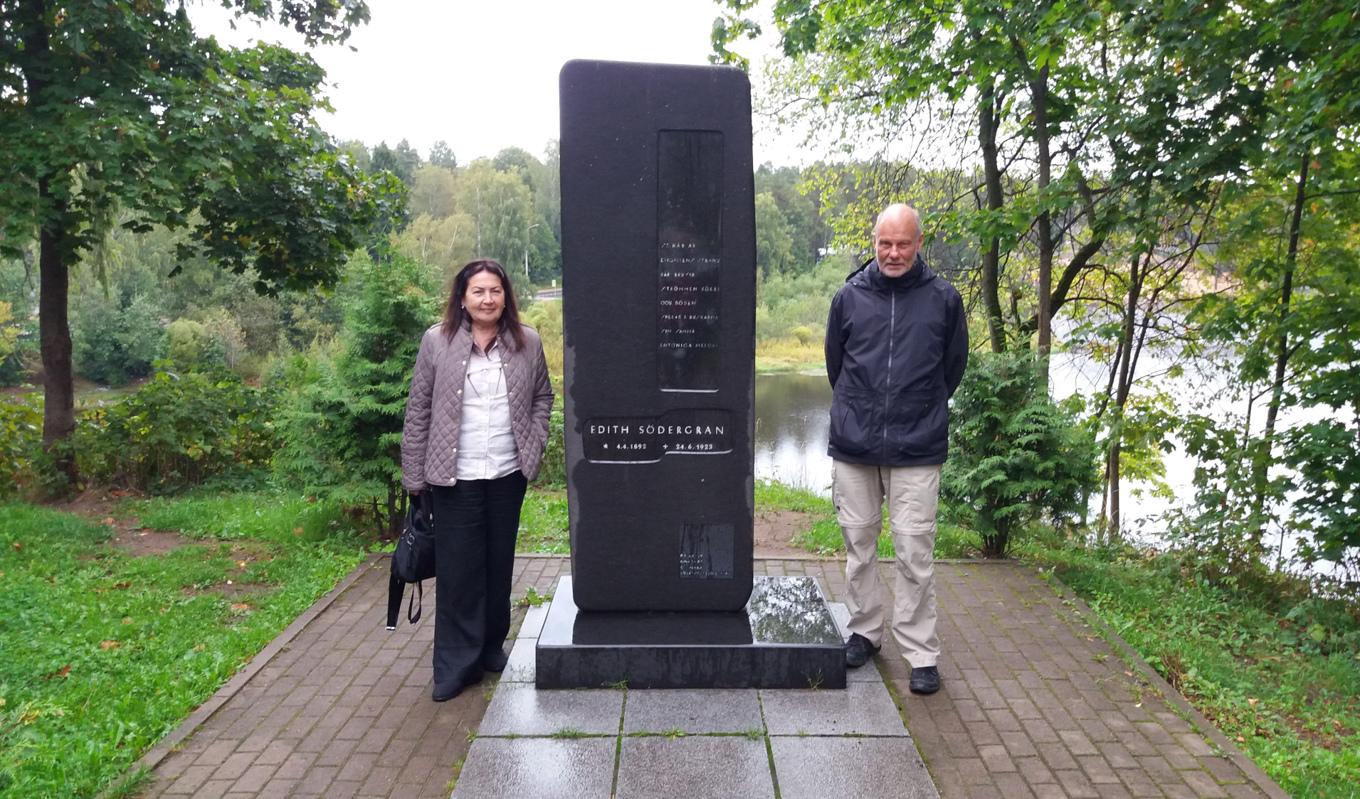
column 105, row 652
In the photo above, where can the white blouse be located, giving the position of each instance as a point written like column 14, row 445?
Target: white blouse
column 486, row 445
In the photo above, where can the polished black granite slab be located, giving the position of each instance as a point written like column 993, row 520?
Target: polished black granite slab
column 658, row 314
column 783, row 638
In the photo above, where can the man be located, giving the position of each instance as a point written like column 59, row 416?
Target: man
column 896, row 348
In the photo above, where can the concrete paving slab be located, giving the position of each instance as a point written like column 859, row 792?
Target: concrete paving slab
column 520, row 667
column 863, row 708
column 533, row 621
column 692, row 711
column 841, row 615
column 697, row 767
column 537, row 768
column 858, row 768
column 520, row 709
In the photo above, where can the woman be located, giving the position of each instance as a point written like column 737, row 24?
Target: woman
column 476, row 425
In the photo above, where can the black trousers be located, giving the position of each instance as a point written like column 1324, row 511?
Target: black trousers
column 475, row 526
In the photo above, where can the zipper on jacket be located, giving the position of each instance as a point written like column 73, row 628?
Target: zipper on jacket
column 892, row 325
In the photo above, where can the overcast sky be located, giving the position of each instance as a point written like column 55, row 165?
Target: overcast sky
column 483, row 75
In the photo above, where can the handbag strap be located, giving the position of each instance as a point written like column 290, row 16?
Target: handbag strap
column 417, row 601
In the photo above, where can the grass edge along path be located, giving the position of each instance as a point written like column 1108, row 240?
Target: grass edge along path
column 1289, row 701
column 106, row 653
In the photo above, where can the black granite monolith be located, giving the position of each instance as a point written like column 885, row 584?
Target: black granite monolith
column 658, row 253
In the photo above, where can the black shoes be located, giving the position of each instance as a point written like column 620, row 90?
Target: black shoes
column 445, row 694
column 925, row 680
column 858, row 650
column 495, row 659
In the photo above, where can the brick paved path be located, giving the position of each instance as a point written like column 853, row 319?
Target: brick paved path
column 1036, row 703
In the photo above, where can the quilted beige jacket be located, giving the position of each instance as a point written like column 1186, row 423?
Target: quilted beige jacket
column 429, row 438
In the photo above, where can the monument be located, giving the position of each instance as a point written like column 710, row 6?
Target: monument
column 658, row 250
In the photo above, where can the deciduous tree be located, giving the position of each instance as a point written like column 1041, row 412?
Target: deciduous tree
column 121, row 105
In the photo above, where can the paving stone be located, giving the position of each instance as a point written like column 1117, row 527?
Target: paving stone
column 520, row 667
column 695, row 767
column 520, row 709
column 850, row 768
column 1018, row 665
column 692, row 711
column 863, row 708
column 537, row 768
column 1203, row 784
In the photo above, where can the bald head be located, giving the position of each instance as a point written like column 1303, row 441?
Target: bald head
column 899, row 213
column 897, row 239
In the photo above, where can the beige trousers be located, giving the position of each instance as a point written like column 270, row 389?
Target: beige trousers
column 912, row 494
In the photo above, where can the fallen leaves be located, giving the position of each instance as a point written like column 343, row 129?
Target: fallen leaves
column 109, row 643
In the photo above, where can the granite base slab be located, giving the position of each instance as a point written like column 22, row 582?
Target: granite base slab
column 784, row 638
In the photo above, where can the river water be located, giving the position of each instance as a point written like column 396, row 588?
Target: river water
column 792, row 421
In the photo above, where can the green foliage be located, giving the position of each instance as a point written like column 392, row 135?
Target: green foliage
column 543, row 522
column 178, row 430
column 546, row 318
column 554, row 467
column 120, row 108
column 1325, row 456
column 341, row 427
column 20, row 440
column 1274, row 667
column 786, row 302
column 9, row 332
column 1013, row 454
column 105, row 653
column 189, row 346
column 115, row 339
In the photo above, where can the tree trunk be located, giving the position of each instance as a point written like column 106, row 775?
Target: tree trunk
column 1125, row 367
column 59, row 418
column 991, row 246
column 1265, row 455
column 54, row 252
column 1044, row 227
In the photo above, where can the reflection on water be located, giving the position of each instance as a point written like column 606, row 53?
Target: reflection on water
column 791, row 427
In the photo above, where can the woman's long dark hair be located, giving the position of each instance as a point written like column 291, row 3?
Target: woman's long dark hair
column 454, row 315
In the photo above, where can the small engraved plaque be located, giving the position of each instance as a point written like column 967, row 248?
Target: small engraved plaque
column 706, row 551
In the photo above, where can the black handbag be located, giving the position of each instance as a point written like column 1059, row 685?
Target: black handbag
column 412, row 561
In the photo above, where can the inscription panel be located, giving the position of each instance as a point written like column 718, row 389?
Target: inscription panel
column 689, row 258
column 636, row 439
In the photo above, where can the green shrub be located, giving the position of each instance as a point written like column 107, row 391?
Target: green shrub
column 341, row 425
column 189, row 346
column 1013, row 454
column 177, row 431
column 113, row 342
column 20, row 441
column 554, row 469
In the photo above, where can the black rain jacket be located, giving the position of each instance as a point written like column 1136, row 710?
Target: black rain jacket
column 896, row 349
